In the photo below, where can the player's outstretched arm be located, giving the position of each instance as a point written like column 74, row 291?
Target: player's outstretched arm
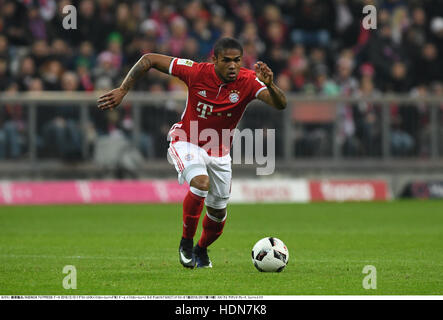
column 114, row 97
column 273, row 96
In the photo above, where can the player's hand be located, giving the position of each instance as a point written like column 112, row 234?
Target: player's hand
column 111, row 99
column 264, row 73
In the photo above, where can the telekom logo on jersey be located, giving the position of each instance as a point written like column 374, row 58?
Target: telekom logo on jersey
column 204, row 109
column 256, row 143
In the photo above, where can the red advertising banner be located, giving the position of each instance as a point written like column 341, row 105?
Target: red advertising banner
column 349, row 190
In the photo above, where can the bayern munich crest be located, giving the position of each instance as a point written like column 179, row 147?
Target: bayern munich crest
column 234, row 97
column 189, row 157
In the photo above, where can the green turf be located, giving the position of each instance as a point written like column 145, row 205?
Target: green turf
column 133, row 249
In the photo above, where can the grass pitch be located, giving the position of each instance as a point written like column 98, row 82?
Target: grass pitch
column 133, row 250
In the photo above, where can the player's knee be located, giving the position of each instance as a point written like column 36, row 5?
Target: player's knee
column 217, row 213
column 200, row 182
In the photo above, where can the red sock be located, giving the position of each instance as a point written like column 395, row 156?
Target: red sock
column 192, row 208
column 211, row 231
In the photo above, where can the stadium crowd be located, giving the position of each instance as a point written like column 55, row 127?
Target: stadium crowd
column 313, row 46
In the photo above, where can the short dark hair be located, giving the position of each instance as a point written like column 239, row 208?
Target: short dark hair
column 227, row 43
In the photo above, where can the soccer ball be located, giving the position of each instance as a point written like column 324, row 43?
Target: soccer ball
column 270, row 255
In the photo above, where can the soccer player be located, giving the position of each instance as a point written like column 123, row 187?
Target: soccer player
column 218, row 94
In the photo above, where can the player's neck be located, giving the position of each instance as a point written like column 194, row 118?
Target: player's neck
column 219, row 76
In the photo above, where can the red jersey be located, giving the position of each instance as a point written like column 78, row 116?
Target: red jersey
column 213, row 107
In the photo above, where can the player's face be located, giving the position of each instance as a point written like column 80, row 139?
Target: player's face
column 228, row 64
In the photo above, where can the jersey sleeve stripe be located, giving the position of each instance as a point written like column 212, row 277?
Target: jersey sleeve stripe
column 170, row 65
column 259, row 90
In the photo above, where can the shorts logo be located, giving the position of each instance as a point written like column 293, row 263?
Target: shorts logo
column 234, row 97
column 189, row 157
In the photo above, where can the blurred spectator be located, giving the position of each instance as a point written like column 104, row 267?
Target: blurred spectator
column 125, row 25
column 400, row 22
column 313, row 22
column 400, row 80
column 14, row 22
column 47, row 9
column 274, row 27
column 4, row 50
column 422, row 128
column 367, row 118
column 383, row 53
column 228, row 29
column 348, row 86
column 283, row 81
column 179, row 34
column 51, row 74
column 249, row 34
column 437, row 32
column 403, row 129
column 26, row 72
column 348, row 30
column 105, row 73
column 40, row 52
column 277, row 57
column 243, row 13
column 217, row 17
column 11, row 127
column 345, row 68
column 191, row 50
column 160, row 21
column 62, row 53
column 415, row 36
column 62, row 134
column 317, row 61
column 429, row 66
column 85, row 78
column 323, row 85
column 402, row 144
column 250, row 55
column 4, row 74
column 298, row 67
column 86, row 56
column 99, row 17
column 36, row 24
column 205, row 37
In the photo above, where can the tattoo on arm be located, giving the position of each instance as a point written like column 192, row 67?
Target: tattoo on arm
column 277, row 96
column 136, row 72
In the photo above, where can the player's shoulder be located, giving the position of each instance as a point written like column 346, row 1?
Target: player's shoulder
column 246, row 73
column 206, row 66
column 200, row 67
column 249, row 76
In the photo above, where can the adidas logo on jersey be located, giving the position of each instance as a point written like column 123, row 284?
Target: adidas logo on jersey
column 202, row 93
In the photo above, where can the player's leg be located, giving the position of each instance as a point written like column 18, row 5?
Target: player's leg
column 193, row 204
column 213, row 224
column 191, row 168
column 216, row 202
column 192, row 208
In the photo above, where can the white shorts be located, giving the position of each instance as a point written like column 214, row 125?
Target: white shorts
column 190, row 161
